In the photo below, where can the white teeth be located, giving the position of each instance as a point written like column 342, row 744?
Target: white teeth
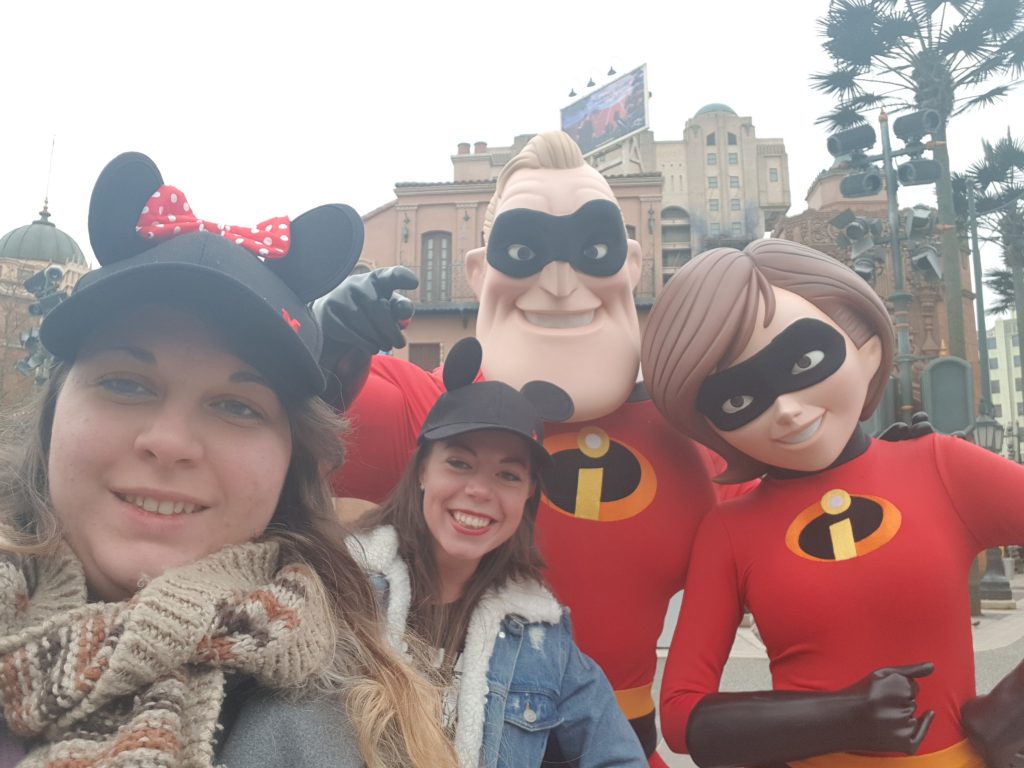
column 471, row 521
column 560, row 320
column 162, row 507
column 804, row 435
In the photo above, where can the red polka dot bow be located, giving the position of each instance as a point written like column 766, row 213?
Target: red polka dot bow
column 168, row 214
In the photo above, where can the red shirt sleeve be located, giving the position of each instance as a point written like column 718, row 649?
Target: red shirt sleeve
column 987, row 491
column 704, row 634
column 384, row 422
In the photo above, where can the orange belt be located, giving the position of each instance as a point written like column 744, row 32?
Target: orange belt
column 635, row 702
column 960, row 755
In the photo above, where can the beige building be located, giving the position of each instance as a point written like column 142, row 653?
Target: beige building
column 720, row 184
column 24, row 252
column 1005, row 381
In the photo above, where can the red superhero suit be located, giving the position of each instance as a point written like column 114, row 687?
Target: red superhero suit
column 626, row 477
column 837, row 595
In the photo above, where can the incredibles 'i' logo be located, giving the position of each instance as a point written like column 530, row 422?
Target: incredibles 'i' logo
column 842, row 527
column 593, row 477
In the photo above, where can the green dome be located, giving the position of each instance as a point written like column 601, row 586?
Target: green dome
column 41, row 241
column 715, row 107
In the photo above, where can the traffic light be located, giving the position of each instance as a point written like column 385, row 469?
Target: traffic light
column 43, row 285
column 861, row 184
column 913, row 127
column 917, row 172
column 852, row 141
column 920, row 226
column 859, row 235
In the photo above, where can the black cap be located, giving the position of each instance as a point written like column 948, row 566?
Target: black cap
column 263, row 304
column 470, row 405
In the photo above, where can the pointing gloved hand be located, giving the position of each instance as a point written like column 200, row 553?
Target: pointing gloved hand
column 359, row 318
column 875, row 714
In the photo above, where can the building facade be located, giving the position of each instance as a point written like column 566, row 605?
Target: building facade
column 24, row 252
column 669, row 203
column 1007, row 388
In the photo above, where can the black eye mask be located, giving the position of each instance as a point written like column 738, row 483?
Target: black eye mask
column 806, row 353
column 592, row 240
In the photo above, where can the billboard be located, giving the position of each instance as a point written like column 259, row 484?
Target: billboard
column 609, row 114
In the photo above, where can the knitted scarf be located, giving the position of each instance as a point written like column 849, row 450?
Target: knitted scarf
column 141, row 682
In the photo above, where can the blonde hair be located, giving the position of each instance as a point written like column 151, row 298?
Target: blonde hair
column 394, row 711
column 553, row 149
column 705, row 315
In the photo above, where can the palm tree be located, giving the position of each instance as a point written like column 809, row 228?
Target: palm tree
column 998, row 180
column 900, row 55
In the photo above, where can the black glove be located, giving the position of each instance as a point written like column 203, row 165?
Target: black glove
column 875, row 714
column 919, row 427
column 994, row 723
column 359, row 318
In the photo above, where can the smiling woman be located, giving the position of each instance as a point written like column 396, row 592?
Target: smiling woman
column 176, row 589
column 452, row 550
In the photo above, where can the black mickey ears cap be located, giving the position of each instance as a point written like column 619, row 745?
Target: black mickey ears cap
column 469, row 406
column 262, row 304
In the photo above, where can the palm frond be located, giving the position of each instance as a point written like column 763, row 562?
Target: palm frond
column 999, row 280
column 969, row 37
column 850, row 29
column 1012, row 53
column 840, row 118
column 1001, row 18
column 841, row 82
column 990, row 96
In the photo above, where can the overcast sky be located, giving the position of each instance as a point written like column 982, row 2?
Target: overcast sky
column 257, row 109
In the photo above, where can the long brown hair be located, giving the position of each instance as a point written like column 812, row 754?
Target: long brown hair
column 518, row 558
column 394, row 711
column 705, row 315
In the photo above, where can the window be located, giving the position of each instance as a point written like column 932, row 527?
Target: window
column 712, row 158
column 436, row 267
column 1016, row 340
column 631, row 232
column 997, row 411
column 716, row 229
column 1020, row 409
column 991, row 343
column 1017, row 385
column 737, row 228
column 426, row 356
column 993, row 363
column 734, row 204
column 773, row 174
column 713, row 204
column 710, row 140
column 994, row 387
column 1016, row 361
column 732, row 139
column 712, row 182
column 734, row 182
column 734, row 158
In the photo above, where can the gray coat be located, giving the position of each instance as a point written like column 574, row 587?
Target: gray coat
column 270, row 731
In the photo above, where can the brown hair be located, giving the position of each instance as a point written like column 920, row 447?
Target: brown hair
column 517, row 558
column 705, row 315
column 393, row 710
column 551, row 149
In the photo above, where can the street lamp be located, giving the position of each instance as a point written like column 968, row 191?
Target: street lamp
column 988, row 433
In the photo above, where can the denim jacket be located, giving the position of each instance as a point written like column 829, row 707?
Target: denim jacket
column 523, row 679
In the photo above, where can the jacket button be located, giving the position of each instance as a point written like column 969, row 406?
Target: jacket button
column 529, row 715
column 501, row 634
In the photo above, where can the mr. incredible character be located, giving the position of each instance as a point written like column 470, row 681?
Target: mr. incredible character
column 852, row 554
column 555, row 283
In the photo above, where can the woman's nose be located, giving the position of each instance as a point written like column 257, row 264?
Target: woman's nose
column 170, row 438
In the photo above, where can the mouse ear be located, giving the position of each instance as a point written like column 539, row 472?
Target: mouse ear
column 463, row 363
column 325, row 245
column 122, row 190
column 551, row 401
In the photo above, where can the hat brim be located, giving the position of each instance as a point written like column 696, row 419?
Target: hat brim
column 452, row 430
column 254, row 330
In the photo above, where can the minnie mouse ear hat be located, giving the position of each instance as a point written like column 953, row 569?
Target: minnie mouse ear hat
column 469, row 405
column 255, row 282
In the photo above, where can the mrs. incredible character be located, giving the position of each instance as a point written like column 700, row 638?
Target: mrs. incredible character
column 852, row 554
column 555, row 283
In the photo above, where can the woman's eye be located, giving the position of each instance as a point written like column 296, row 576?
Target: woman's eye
column 518, row 252
column 457, row 463
column 510, row 477
column 124, row 386
column 808, row 361
column 238, row 409
column 737, row 403
column 596, row 252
